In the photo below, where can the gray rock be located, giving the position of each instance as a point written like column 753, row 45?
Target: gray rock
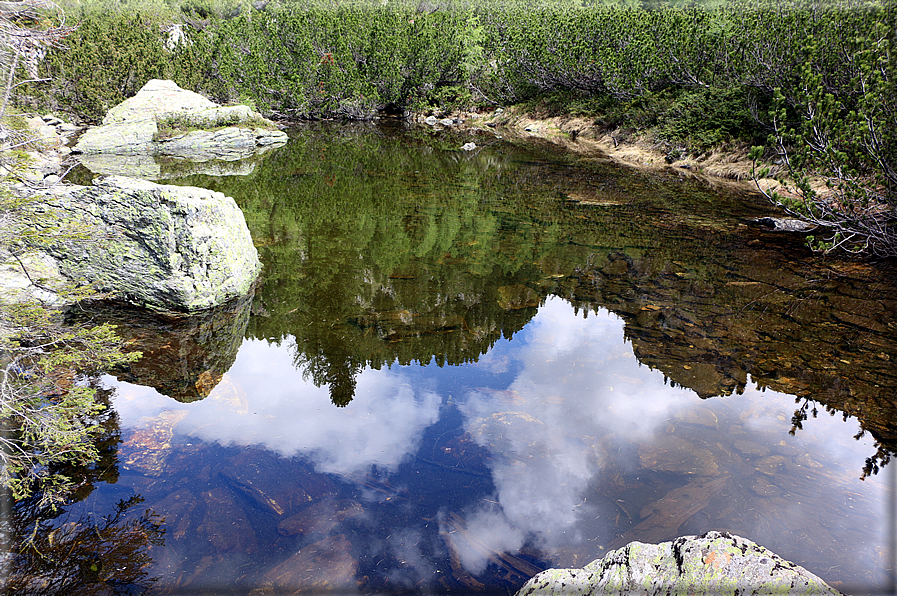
column 122, row 138
column 713, row 564
column 66, row 128
column 431, row 120
column 166, row 247
column 469, row 146
column 133, row 127
column 227, row 144
column 156, row 98
column 786, row 224
column 176, row 38
column 446, row 122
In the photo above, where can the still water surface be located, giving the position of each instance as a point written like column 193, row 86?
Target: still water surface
column 462, row 368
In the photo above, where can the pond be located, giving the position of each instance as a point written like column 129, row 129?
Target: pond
column 461, row 368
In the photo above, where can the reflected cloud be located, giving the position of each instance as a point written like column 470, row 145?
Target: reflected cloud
column 585, row 446
column 264, row 401
column 488, row 531
column 581, row 400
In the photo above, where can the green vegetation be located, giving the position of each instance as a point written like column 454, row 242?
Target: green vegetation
column 172, row 126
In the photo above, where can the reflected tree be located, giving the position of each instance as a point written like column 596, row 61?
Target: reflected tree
column 55, row 554
column 385, row 249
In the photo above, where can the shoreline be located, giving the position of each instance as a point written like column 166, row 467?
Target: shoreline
column 722, row 167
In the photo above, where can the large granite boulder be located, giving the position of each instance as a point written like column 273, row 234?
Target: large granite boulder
column 169, row 248
column 713, row 564
column 163, row 119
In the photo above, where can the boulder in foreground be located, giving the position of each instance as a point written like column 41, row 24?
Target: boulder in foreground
column 173, row 248
column 715, row 563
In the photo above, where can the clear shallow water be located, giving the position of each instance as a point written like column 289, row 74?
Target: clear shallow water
column 460, row 369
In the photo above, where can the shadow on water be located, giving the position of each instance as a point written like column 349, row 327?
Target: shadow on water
column 535, row 360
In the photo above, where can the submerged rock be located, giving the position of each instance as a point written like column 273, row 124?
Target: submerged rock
column 166, row 247
column 325, row 566
column 715, row 563
column 786, row 224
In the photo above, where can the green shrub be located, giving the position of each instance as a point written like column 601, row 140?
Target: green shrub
column 106, row 60
column 706, row 116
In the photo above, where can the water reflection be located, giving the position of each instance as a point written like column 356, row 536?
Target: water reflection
column 579, row 449
column 534, row 363
column 60, row 554
column 264, row 401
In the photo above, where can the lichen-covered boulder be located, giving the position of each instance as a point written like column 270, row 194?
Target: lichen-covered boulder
column 173, row 248
column 157, row 97
column 136, row 126
column 33, row 277
column 715, row 563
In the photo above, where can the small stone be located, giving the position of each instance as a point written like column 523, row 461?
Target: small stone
column 469, row 146
column 698, row 415
column 764, row 487
column 431, row 120
column 446, row 122
column 785, row 224
column 750, row 448
column 771, row 465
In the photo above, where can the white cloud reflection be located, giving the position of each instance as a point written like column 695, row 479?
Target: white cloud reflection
column 580, row 390
column 263, row 400
column 579, row 382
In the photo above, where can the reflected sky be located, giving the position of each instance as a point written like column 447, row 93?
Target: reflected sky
column 576, row 430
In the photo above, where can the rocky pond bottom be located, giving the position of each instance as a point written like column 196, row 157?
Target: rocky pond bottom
column 462, row 368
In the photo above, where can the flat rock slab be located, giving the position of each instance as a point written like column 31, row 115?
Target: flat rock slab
column 713, row 564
